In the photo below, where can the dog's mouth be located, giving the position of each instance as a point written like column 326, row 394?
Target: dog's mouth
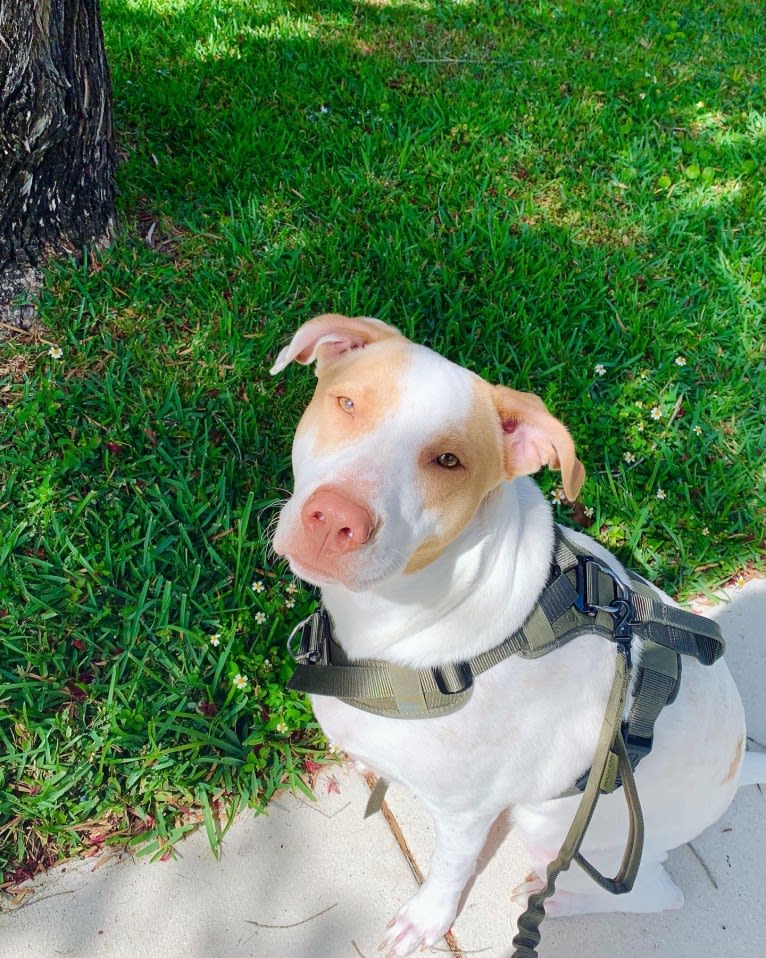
column 342, row 573
column 311, row 574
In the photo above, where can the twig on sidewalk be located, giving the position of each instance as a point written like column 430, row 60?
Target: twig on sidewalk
column 397, row 832
column 303, row 921
column 320, row 811
column 702, row 862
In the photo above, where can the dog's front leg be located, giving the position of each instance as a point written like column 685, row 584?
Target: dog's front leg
column 428, row 914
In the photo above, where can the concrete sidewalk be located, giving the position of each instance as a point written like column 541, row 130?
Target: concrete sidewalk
column 315, row 880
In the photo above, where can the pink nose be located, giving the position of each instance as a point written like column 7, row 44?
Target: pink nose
column 334, row 523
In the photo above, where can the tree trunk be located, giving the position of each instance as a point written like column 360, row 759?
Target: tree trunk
column 57, row 157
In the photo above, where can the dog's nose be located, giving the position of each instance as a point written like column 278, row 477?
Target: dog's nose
column 334, row 523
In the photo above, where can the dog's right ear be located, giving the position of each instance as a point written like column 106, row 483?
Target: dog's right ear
column 326, row 337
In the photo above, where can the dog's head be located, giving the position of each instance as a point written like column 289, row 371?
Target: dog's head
column 397, row 450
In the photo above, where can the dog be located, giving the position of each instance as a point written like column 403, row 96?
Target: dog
column 414, row 513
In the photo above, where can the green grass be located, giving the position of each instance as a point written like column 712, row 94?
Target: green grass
column 532, row 188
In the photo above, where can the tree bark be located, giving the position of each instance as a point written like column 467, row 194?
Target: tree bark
column 57, row 156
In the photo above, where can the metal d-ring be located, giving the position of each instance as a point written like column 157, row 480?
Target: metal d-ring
column 298, row 656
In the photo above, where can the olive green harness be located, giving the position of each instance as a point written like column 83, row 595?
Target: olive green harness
column 582, row 596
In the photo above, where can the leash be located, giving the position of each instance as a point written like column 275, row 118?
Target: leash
column 610, row 748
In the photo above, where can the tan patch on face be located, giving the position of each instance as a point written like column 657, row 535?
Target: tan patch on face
column 455, row 494
column 735, row 762
column 371, row 379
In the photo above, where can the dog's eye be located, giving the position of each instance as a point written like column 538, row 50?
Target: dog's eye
column 447, row 460
column 346, row 404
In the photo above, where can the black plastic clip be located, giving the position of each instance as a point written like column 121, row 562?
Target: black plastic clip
column 462, row 672
column 619, row 606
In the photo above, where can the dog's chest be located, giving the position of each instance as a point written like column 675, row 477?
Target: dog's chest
column 422, row 754
column 494, row 740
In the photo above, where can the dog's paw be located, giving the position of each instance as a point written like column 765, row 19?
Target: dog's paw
column 560, row 904
column 418, row 924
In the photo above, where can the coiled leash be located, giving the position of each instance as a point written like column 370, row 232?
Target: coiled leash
column 582, row 596
column 610, row 746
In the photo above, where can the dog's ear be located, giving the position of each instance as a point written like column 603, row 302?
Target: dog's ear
column 326, row 337
column 533, row 438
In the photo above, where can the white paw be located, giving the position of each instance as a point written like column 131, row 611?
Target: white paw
column 560, row 903
column 418, row 924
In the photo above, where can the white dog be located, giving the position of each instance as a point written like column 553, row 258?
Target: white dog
column 413, row 513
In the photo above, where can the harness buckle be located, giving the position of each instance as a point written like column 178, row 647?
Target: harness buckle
column 637, row 746
column 620, row 606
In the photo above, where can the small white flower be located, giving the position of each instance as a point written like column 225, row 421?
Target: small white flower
column 260, row 618
column 705, row 531
column 660, row 493
column 656, row 413
column 739, row 582
column 215, row 639
column 324, row 109
column 558, row 496
column 291, row 587
column 56, row 352
column 258, row 586
column 600, row 369
column 680, row 361
column 640, row 427
column 697, row 430
column 639, row 404
column 629, row 457
column 282, row 727
column 589, row 512
column 266, row 665
column 239, row 681
column 289, row 603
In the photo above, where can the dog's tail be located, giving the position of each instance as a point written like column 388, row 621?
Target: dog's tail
column 753, row 769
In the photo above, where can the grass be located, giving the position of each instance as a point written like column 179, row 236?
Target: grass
column 564, row 196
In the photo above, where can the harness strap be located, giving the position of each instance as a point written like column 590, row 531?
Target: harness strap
column 323, row 668
column 582, row 596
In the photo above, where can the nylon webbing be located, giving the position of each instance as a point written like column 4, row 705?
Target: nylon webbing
column 555, row 620
column 610, row 744
column 657, row 681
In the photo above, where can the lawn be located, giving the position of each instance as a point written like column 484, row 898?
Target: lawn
column 567, row 197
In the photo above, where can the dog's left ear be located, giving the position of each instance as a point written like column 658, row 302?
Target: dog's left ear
column 329, row 336
column 533, row 438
